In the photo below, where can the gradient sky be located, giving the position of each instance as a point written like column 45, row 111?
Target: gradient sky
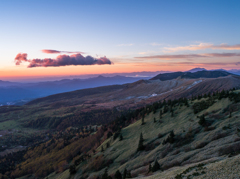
column 135, row 35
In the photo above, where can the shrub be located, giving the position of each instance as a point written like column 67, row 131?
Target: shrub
column 202, row 120
column 187, row 149
column 149, row 147
column 171, row 164
column 209, row 128
column 160, row 135
column 201, row 145
column 219, row 136
column 231, row 149
column 199, row 106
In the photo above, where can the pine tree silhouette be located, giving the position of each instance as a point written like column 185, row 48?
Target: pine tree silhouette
column 156, row 166
column 140, row 144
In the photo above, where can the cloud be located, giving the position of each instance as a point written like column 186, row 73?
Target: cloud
column 186, row 56
column 56, row 51
column 62, row 60
column 142, row 53
column 21, row 57
column 127, row 45
column 203, row 46
column 227, row 47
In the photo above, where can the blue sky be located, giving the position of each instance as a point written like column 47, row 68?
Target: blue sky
column 119, row 30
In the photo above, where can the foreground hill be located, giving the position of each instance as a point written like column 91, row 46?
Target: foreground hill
column 208, row 149
column 80, row 130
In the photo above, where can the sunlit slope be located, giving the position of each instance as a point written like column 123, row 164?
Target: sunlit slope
column 193, row 143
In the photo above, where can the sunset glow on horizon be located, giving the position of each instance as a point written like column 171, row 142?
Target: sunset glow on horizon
column 79, row 37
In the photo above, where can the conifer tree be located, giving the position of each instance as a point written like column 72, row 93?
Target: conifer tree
column 165, row 109
column 160, row 115
column 129, row 174
column 125, row 173
column 118, row 175
column 154, row 120
column 140, row 144
column 156, row 166
column 149, row 168
column 120, row 137
column 72, row 169
column 105, row 175
column 171, row 137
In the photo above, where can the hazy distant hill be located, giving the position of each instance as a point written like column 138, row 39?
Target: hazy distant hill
column 196, row 70
column 198, row 74
column 15, row 92
column 8, row 83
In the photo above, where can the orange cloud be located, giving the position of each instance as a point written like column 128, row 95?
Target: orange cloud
column 186, row 56
column 203, row 46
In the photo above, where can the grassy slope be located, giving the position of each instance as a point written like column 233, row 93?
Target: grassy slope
column 109, row 96
column 124, row 154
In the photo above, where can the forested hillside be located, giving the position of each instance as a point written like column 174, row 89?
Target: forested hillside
column 166, row 136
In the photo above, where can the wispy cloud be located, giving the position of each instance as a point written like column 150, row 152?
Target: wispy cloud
column 203, row 46
column 49, row 51
column 192, row 64
column 61, row 60
column 127, row 45
column 187, row 56
column 155, row 44
column 142, row 53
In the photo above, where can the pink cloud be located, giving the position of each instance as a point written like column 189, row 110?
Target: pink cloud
column 20, row 58
column 62, row 60
column 57, row 51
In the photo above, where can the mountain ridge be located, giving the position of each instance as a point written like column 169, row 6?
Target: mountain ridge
column 198, row 74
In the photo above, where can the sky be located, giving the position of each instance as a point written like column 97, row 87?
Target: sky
column 61, row 38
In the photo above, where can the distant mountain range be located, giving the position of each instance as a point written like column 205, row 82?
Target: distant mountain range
column 196, row 70
column 139, row 93
column 189, row 75
column 20, row 93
